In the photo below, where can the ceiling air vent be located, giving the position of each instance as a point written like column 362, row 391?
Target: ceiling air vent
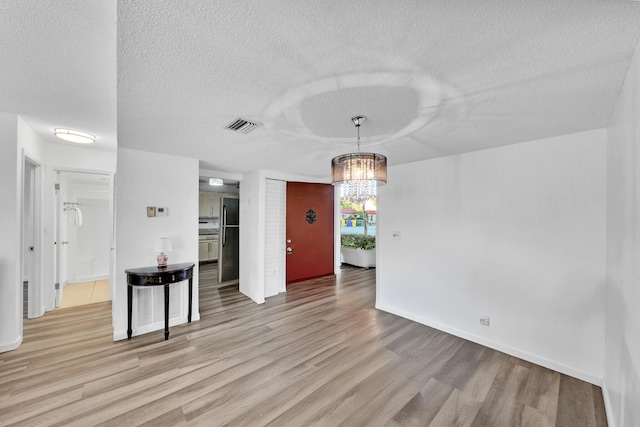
column 241, row 125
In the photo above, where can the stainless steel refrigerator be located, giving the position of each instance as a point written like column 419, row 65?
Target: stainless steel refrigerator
column 229, row 242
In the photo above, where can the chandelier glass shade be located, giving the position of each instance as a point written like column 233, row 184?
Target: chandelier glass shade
column 359, row 173
column 359, row 192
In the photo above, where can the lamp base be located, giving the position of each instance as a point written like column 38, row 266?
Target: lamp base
column 162, row 260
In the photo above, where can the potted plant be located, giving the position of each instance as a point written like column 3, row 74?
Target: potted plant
column 358, row 250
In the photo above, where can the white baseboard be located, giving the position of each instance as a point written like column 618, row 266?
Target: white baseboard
column 530, row 357
column 157, row 326
column 12, row 345
column 91, row 278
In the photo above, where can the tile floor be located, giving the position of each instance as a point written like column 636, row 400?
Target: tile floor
column 83, row 293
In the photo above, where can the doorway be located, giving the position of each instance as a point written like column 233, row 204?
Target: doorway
column 84, row 238
column 309, row 231
column 218, row 230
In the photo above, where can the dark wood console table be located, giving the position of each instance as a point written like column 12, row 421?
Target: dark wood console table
column 154, row 276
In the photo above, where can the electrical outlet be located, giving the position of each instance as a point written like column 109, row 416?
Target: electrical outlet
column 484, row 321
column 161, row 211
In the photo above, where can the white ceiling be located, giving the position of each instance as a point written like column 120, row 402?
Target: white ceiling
column 433, row 77
column 58, row 66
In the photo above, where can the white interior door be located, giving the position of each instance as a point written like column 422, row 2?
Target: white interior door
column 62, row 241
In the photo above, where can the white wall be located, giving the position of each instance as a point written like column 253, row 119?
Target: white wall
column 89, row 245
column 150, row 179
column 252, row 231
column 10, row 249
column 622, row 345
column 516, row 233
column 79, row 158
column 94, row 240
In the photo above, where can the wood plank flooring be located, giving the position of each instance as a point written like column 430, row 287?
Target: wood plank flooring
column 319, row 354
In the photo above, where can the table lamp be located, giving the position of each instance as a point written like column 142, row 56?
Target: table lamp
column 163, row 245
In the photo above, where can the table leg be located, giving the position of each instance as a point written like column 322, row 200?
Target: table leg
column 166, row 312
column 190, row 298
column 130, row 306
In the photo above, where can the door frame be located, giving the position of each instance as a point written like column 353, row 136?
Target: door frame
column 59, row 217
column 31, row 217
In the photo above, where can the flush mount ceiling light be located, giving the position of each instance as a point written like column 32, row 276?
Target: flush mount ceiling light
column 216, row 181
column 74, row 136
column 359, row 173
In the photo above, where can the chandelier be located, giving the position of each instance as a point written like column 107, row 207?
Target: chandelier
column 359, row 173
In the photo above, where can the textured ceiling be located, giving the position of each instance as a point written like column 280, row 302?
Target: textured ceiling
column 58, row 66
column 433, row 77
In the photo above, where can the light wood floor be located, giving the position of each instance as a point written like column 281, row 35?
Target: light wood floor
column 318, row 355
column 83, row 293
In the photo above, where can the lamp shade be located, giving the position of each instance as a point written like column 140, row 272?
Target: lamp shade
column 359, row 167
column 163, row 244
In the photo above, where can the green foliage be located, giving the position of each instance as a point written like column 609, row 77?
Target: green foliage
column 358, row 241
column 345, row 203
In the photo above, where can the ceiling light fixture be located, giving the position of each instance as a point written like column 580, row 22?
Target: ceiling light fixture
column 359, row 173
column 216, row 181
column 74, row 136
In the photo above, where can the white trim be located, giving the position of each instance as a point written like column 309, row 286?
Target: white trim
column 337, row 216
column 210, row 173
column 533, row 358
column 608, row 409
column 153, row 327
column 92, row 278
column 12, row 345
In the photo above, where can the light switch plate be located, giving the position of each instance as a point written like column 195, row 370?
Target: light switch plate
column 151, row 211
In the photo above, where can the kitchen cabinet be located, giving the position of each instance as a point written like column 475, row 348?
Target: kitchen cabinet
column 208, row 248
column 210, row 203
column 213, row 249
column 203, row 250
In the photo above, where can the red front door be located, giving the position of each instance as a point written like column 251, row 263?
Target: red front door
column 309, row 231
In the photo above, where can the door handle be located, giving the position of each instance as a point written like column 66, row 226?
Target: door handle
column 223, row 226
column 289, row 250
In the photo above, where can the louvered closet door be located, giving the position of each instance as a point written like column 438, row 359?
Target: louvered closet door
column 275, row 201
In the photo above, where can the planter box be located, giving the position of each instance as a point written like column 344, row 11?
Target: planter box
column 359, row 257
